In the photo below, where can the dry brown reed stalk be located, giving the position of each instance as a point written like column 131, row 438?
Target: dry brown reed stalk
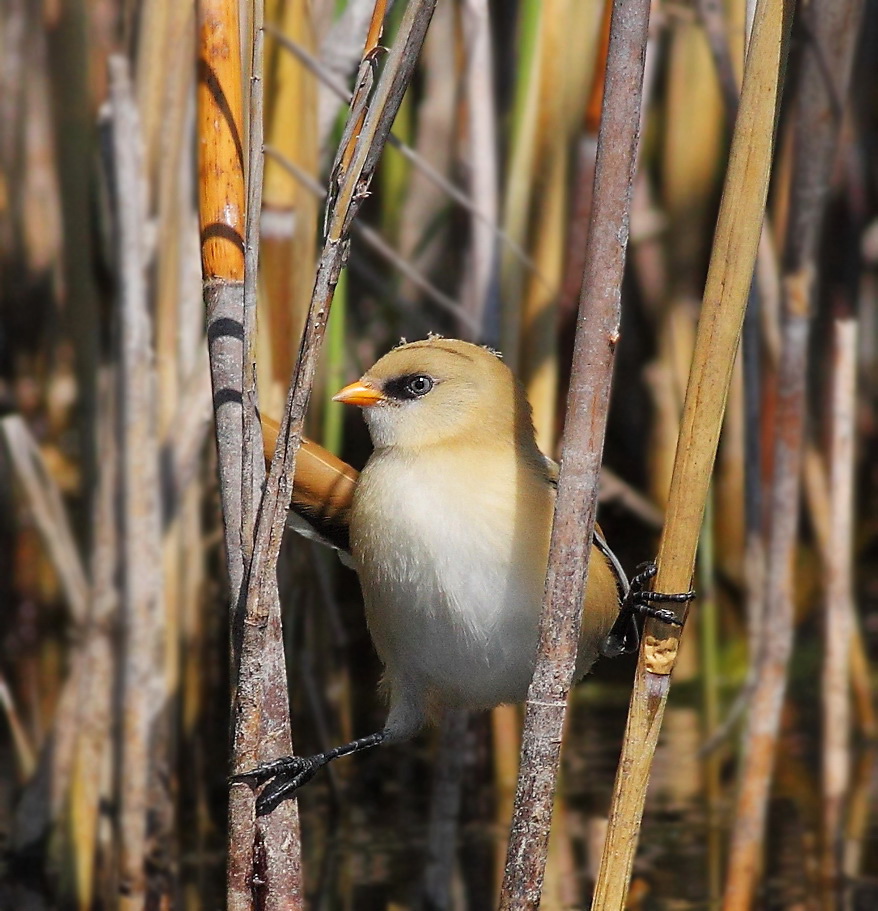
column 588, row 399
column 725, row 298
column 839, row 610
column 261, row 705
column 824, row 79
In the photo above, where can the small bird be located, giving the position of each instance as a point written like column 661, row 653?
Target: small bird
column 449, row 529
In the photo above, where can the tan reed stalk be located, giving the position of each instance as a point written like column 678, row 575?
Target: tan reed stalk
column 828, row 51
column 267, row 862
column 588, row 399
column 839, row 609
column 725, row 298
column 142, row 671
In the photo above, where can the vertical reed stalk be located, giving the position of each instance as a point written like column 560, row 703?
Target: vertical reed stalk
column 836, row 764
column 596, row 337
column 142, row 600
column 725, row 299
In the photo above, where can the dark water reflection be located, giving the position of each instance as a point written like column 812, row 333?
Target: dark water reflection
column 372, row 854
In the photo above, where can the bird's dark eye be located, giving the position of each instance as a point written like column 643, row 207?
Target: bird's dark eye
column 419, row 385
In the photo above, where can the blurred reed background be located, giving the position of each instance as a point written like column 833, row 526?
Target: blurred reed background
column 114, row 659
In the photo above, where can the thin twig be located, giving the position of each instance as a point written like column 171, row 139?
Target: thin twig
column 597, row 333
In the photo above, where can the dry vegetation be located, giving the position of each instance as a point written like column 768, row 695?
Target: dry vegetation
column 146, row 650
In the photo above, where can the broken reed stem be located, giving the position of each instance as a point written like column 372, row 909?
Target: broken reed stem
column 839, row 611
column 597, row 332
column 830, row 31
column 725, row 298
column 142, row 602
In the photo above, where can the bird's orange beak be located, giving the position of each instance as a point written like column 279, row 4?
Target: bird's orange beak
column 359, row 393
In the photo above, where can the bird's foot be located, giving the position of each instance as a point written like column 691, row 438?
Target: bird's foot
column 282, row 778
column 624, row 637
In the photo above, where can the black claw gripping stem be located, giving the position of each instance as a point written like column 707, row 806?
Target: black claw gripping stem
column 639, row 601
column 285, row 776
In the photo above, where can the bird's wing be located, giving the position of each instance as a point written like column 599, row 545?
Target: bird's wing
column 323, row 489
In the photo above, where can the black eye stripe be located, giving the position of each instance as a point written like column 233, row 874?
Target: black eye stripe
column 408, row 387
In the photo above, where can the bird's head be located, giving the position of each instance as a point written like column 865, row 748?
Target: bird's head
column 440, row 391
